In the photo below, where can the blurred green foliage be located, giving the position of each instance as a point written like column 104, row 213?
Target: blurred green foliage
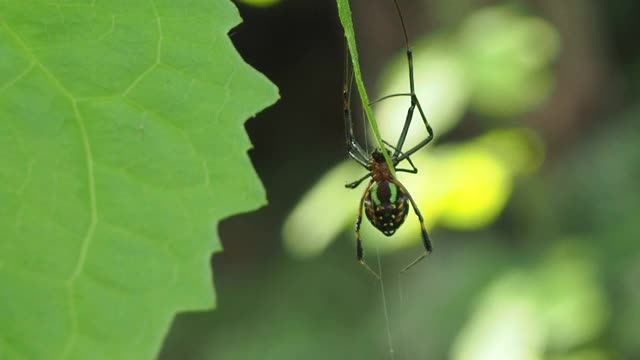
column 535, row 231
column 558, row 305
column 508, row 57
column 563, row 287
column 467, row 189
column 466, row 185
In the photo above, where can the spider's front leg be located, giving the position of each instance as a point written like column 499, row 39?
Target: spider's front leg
column 414, row 102
column 355, row 184
column 359, row 249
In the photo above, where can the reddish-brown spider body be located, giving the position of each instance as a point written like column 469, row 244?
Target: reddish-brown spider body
column 385, row 203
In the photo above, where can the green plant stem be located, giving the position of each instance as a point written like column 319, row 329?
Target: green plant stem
column 344, row 11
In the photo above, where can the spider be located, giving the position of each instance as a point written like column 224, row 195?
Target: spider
column 385, row 199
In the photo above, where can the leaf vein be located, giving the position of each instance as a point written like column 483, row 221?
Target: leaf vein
column 156, row 62
column 88, row 237
column 15, row 80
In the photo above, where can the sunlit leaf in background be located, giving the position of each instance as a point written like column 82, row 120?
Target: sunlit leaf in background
column 312, row 226
column 487, row 166
column 559, row 305
column 482, row 186
column 507, row 56
column 441, row 87
column 505, row 326
column 521, row 149
column 573, row 302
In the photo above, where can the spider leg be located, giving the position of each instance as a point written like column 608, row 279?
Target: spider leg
column 356, row 152
column 355, row 184
column 405, row 128
column 414, row 103
column 359, row 250
column 424, row 142
column 414, row 169
column 358, row 157
column 410, row 171
column 426, row 242
column 387, row 97
column 414, row 99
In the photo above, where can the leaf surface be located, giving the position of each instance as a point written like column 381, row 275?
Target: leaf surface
column 122, row 146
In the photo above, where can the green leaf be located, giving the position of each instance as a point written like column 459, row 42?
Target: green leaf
column 344, row 11
column 122, row 146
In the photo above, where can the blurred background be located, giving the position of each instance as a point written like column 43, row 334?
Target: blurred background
column 530, row 190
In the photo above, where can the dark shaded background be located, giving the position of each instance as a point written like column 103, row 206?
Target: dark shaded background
column 584, row 199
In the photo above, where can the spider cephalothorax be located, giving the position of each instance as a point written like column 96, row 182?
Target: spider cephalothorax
column 385, row 201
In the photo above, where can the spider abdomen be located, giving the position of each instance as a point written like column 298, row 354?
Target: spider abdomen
column 386, row 206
